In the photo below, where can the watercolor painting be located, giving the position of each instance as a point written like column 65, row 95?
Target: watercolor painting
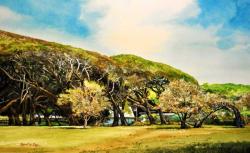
column 125, row 76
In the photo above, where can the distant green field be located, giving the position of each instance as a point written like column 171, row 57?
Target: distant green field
column 123, row 139
column 228, row 89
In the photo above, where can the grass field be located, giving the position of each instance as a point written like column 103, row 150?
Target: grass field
column 123, row 139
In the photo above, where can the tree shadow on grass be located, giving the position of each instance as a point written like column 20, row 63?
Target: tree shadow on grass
column 167, row 127
column 160, row 127
column 222, row 126
column 230, row 126
column 229, row 147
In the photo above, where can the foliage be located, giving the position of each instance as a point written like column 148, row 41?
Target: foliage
column 180, row 98
column 35, row 72
column 54, row 68
column 12, row 43
column 244, row 101
column 37, row 79
column 193, row 106
column 151, row 95
column 131, row 63
column 85, row 102
column 229, row 89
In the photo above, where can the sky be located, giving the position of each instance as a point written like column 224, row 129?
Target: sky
column 209, row 39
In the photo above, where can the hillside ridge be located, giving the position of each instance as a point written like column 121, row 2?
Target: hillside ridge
column 131, row 61
column 11, row 43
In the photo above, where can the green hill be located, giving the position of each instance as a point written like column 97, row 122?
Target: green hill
column 12, row 43
column 228, row 89
column 135, row 63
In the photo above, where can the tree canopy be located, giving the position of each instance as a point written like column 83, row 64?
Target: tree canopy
column 40, row 78
column 85, row 102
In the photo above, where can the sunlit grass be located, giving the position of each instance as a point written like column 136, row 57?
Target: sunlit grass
column 114, row 139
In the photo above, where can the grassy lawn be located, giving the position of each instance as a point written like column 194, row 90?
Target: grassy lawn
column 116, row 139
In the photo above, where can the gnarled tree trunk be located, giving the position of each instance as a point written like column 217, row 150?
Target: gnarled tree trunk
column 47, row 120
column 24, row 119
column 150, row 117
column 163, row 121
column 116, row 116
column 11, row 119
column 183, row 120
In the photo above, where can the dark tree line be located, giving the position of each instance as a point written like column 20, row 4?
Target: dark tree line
column 32, row 81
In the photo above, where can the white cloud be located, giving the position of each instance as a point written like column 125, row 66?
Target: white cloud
column 8, row 15
column 198, row 54
column 133, row 26
column 151, row 29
